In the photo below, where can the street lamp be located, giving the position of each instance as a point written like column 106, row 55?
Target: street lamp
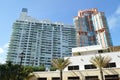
column 33, row 62
column 21, row 58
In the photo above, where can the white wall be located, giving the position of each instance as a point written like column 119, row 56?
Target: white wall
column 85, row 59
column 87, row 48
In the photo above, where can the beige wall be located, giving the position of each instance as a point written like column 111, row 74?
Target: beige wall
column 81, row 74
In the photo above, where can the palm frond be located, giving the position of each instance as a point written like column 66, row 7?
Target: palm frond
column 60, row 63
column 100, row 61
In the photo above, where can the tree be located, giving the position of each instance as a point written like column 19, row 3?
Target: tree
column 9, row 71
column 36, row 68
column 100, row 62
column 3, row 72
column 42, row 68
column 29, row 76
column 60, row 64
column 52, row 68
column 26, row 73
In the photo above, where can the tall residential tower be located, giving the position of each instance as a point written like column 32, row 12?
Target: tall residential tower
column 92, row 29
column 40, row 41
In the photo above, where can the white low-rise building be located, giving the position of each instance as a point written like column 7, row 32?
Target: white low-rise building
column 81, row 68
column 84, row 60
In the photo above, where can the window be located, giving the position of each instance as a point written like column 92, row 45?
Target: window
column 55, row 78
column 73, row 78
column 42, row 79
column 110, row 65
column 91, row 78
column 100, row 51
column 111, row 77
column 73, row 67
column 90, row 66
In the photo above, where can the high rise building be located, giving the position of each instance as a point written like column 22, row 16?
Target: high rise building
column 40, row 41
column 92, row 29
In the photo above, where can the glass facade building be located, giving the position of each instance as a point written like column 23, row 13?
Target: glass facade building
column 40, row 41
column 92, row 29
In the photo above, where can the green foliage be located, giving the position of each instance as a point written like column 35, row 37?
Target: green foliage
column 29, row 76
column 25, row 71
column 35, row 68
column 42, row 68
column 52, row 68
column 9, row 71
column 60, row 64
column 100, row 62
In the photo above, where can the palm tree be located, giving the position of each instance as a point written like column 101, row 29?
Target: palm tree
column 9, row 71
column 29, row 76
column 60, row 64
column 26, row 72
column 100, row 62
column 6, row 70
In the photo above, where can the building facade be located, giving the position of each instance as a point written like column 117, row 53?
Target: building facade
column 92, row 29
column 82, row 69
column 40, row 41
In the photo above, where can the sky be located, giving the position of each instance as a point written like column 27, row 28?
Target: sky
column 55, row 11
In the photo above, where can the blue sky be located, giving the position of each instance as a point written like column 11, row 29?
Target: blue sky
column 54, row 10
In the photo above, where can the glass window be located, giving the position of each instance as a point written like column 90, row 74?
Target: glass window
column 91, row 78
column 42, row 79
column 111, row 77
column 73, row 67
column 90, row 66
column 55, row 78
column 110, row 65
column 73, row 78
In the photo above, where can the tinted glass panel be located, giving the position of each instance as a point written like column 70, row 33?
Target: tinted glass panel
column 111, row 77
column 90, row 66
column 55, row 78
column 111, row 65
column 91, row 78
column 42, row 79
column 73, row 78
column 70, row 67
column 73, row 67
column 76, row 67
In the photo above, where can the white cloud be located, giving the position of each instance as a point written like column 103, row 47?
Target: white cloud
column 118, row 10
column 2, row 61
column 3, row 51
column 114, row 20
